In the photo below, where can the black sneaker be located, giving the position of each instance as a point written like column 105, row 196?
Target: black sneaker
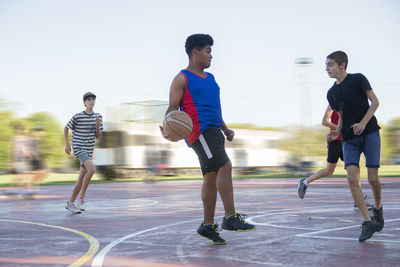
column 367, row 203
column 301, row 188
column 378, row 217
column 210, row 231
column 237, row 223
column 368, row 229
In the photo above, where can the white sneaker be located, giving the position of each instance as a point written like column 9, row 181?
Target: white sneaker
column 72, row 208
column 81, row 204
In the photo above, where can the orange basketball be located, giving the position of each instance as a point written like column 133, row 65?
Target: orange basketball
column 178, row 125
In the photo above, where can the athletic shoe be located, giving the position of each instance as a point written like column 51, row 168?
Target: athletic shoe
column 301, row 188
column 81, row 204
column 210, row 231
column 72, row 208
column 367, row 203
column 378, row 217
column 368, row 229
column 237, row 223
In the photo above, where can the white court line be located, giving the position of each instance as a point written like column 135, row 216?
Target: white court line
column 98, row 260
column 311, row 234
column 181, row 254
column 251, row 219
column 354, row 239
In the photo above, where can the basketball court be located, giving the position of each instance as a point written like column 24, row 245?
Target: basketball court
column 154, row 224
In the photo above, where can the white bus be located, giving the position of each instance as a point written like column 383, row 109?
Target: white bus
column 126, row 153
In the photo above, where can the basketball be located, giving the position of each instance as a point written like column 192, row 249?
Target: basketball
column 178, row 125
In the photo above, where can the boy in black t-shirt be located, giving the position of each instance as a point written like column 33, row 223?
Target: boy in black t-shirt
column 360, row 132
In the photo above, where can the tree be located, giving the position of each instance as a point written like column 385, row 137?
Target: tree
column 306, row 142
column 6, row 133
column 392, row 138
column 52, row 140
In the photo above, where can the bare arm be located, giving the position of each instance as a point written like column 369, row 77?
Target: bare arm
column 358, row 128
column 228, row 132
column 340, row 125
column 67, row 146
column 335, row 134
column 326, row 120
column 98, row 132
column 176, row 92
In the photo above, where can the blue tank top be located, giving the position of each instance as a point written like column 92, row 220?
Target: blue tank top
column 202, row 102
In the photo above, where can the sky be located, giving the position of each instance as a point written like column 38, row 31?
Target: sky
column 52, row 52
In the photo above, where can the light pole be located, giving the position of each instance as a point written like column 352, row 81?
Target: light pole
column 303, row 74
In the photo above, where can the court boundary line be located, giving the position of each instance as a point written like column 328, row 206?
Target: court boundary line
column 315, row 234
column 99, row 258
column 94, row 243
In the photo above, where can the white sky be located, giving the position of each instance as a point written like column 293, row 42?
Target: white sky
column 51, row 52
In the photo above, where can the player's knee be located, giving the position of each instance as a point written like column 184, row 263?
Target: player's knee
column 91, row 169
column 330, row 171
column 352, row 180
column 373, row 179
column 228, row 165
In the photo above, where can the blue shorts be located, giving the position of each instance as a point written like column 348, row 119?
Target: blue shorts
column 369, row 144
column 83, row 157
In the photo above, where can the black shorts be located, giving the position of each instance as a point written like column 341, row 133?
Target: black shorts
column 210, row 149
column 335, row 151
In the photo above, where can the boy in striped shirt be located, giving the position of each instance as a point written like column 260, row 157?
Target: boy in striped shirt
column 86, row 126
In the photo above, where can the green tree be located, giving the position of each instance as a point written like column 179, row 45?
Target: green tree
column 392, row 138
column 306, row 142
column 6, row 133
column 52, row 139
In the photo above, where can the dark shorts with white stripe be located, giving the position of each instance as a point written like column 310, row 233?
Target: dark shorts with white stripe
column 210, row 149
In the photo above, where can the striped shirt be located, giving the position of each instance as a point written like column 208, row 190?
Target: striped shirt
column 83, row 128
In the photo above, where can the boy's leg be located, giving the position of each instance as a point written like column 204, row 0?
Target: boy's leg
column 225, row 188
column 352, row 151
column 353, row 177
column 90, row 169
column 232, row 220
column 209, row 196
column 303, row 183
column 376, row 190
column 208, row 228
column 327, row 171
column 78, row 185
column 372, row 149
column 376, row 187
column 334, row 153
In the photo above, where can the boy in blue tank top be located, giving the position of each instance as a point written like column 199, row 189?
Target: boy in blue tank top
column 196, row 92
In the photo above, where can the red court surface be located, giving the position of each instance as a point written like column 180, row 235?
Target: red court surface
column 154, row 224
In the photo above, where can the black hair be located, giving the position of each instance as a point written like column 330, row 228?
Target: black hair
column 198, row 41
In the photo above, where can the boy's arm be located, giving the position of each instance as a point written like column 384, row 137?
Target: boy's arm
column 358, row 128
column 175, row 97
column 67, row 146
column 228, row 132
column 98, row 132
column 326, row 120
column 332, row 136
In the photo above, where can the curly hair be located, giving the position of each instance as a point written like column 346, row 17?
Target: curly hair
column 197, row 41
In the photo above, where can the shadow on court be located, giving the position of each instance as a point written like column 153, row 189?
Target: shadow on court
column 154, row 224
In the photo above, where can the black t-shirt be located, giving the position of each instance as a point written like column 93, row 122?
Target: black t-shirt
column 350, row 97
